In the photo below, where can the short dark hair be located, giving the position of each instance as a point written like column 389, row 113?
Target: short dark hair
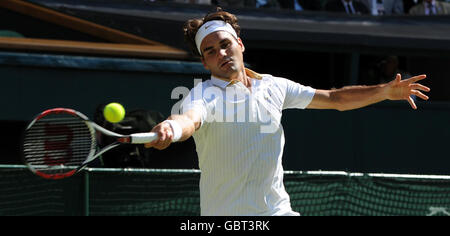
column 191, row 27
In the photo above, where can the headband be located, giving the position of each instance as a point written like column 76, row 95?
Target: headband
column 211, row 27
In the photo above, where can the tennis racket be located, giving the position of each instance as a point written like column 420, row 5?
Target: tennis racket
column 59, row 142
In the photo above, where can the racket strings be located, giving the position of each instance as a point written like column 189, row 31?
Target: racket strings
column 57, row 143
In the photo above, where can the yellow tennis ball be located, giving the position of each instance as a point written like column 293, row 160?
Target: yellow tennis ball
column 114, row 112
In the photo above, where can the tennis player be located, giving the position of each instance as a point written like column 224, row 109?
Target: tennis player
column 240, row 152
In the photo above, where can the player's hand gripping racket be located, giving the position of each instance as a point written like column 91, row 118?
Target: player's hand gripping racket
column 59, row 142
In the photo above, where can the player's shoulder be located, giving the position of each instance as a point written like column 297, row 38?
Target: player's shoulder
column 274, row 80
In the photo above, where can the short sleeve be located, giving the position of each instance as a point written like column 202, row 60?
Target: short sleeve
column 194, row 101
column 296, row 95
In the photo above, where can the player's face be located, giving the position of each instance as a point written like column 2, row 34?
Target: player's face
column 222, row 54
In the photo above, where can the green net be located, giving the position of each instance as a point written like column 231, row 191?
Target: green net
column 145, row 193
column 347, row 195
column 22, row 193
column 175, row 192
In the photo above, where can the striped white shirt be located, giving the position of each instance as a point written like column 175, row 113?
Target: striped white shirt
column 240, row 143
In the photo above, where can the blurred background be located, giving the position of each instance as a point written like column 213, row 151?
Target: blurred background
column 82, row 54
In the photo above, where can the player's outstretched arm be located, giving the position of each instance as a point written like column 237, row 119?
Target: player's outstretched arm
column 353, row 97
column 175, row 128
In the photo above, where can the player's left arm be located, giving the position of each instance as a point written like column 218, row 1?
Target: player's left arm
column 353, row 97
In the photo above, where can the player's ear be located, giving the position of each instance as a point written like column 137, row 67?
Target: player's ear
column 202, row 58
column 241, row 44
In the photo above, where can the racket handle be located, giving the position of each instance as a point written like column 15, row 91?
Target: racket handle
column 140, row 138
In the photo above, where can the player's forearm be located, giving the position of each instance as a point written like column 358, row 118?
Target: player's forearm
column 186, row 124
column 353, row 97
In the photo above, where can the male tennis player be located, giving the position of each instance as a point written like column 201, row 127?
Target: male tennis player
column 240, row 161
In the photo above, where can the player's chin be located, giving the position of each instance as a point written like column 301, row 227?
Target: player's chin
column 228, row 71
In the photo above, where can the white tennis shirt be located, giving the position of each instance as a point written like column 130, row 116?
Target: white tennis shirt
column 240, row 143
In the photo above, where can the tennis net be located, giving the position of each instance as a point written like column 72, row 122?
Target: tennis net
column 98, row 191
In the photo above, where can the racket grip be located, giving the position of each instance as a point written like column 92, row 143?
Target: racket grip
column 140, row 138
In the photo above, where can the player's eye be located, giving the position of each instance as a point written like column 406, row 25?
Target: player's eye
column 225, row 45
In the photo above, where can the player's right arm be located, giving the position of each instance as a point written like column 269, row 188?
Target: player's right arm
column 188, row 123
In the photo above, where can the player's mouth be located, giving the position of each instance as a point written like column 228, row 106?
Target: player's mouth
column 226, row 63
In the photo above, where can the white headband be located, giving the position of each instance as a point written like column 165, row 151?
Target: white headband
column 210, row 27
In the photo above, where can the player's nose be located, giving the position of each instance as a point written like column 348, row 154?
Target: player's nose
column 222, row 53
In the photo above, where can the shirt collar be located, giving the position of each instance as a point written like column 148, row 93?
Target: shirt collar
column 224, row 83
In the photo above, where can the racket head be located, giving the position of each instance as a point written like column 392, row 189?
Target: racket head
column 57, row 142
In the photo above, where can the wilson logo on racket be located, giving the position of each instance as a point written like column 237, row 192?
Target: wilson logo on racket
column 60, row 142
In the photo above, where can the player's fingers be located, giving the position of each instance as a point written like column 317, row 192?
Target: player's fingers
column 165, row 136
column 162, row 145
column 420, row 94
column 420, row 87
column 416, row 78
column 398, row 78
column 148, row 145
column 411, row 102
column 161, row 139
column 157, row 142
column 151, row 144
column 165, row 139
column 168, row 140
